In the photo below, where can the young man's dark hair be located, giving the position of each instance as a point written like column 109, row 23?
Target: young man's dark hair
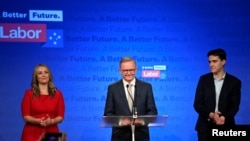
column 218, row 52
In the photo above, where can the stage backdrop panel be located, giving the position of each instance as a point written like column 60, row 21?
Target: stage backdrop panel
column 83, row 41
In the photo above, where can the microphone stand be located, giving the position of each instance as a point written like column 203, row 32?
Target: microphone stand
column 134, row 112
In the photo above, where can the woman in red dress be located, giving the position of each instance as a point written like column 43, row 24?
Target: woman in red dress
column 42, row 105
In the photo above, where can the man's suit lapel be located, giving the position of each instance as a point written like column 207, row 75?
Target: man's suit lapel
column 123, row 97
column 223, row 90
column 211, row 85
column 137, row 91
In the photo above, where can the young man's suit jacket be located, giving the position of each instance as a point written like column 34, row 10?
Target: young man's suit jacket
column 229, row 100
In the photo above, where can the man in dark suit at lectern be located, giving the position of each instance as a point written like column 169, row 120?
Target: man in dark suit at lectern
column 120, row 101
column 217, row 97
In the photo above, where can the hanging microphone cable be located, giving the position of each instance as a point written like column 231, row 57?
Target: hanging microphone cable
column 134, row 109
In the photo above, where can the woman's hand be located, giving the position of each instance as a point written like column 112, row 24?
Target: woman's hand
column 46, row 121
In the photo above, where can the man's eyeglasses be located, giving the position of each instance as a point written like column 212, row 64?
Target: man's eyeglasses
column 129, row 71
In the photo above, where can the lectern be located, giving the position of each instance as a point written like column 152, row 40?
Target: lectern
column 147, row 120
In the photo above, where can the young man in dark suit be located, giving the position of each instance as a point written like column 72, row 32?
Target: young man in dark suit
column 217, row 97
column 120, row 100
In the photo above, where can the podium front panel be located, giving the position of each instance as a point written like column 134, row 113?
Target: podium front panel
column 149, row 120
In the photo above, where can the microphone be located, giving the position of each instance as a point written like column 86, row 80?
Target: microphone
column 134, row 109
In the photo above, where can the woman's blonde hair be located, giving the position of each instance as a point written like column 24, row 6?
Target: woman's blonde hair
column 34, row 82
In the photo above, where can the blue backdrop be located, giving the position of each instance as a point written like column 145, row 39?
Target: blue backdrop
column 82, row 42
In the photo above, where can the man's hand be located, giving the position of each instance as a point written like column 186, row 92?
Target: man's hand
column 126, row 122
column 217, row 118
column 139, row 122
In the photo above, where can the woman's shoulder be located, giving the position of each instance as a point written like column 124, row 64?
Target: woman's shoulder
column 29, row 91
column 59, row 92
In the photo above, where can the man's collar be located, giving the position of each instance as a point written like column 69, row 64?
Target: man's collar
column 132, row 82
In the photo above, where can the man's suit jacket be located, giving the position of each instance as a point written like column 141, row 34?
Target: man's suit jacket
column 229, row 100
column 117, row 105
